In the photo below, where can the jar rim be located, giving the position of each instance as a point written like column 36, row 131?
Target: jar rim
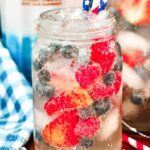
column 87, row 20
column 80, row 25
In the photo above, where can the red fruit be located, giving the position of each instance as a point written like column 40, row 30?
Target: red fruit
column 101, row 91
column 136, row 12
column 103, row 53
column 76, row 98
column 88, row 127
column 87, row 74
column 118, row 81
column 134, row 59
column 60, row 132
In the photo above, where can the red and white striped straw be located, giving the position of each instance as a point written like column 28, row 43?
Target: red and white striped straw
column 95, row 6
column 134, row 143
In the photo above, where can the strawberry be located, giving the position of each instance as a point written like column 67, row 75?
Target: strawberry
column 136, row 58
column 87, row 74
column 60, row 132
column 103, row 90
column 103, row 53
column 100, row 91
column 87, row 127
column 137, row 12
column 76, row 98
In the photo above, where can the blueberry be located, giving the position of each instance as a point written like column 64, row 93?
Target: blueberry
column 44, row 56
column 44, row 90
column 37, row 65
column 102, row 106
column 118, row 65
column 69, row 51
column 118, row 49
column 109, row 78
column 86, row 142
column 86, row 113
column 54, row 47
column 137, row 98
column 38, row 135
column 44, row 76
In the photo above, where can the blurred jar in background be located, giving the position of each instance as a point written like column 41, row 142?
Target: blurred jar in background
column 18, row 19
column 134, row 20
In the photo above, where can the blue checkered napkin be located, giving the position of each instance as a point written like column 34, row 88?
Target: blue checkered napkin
column 16, row 119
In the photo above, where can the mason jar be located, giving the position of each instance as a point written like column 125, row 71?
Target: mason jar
column 76, row 72
column 134, row 38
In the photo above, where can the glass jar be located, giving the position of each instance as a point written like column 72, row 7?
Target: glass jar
column 134, row 21
column 77, row 81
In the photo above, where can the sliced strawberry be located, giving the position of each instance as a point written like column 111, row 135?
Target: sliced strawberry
column 68, row 129
column 136, row 12
column 133, row 59
column 76, row 98
column 88, row 127
column 87, row 74
column 60, row 132
column 104, row 54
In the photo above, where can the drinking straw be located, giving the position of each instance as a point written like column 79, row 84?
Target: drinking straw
column 94, row 6
column 134, row 143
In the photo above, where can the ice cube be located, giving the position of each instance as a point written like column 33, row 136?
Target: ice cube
column 132, row 41
column 63, row 79
column 110, row 124
column 131, row 78
column 41, row 119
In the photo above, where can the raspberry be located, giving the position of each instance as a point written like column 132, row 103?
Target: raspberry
column 87, row 74
column 60, row 132
column 101, row 90
column 88, row 127
column 118, row 81
column 77, row 98
column 103, row 53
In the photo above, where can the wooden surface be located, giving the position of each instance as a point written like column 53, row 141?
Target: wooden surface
column 30, row 144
